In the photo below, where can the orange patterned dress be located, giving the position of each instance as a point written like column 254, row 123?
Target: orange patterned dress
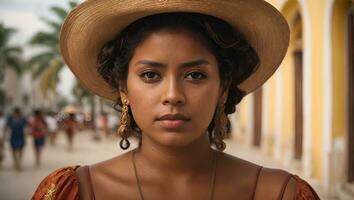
column 63, row 184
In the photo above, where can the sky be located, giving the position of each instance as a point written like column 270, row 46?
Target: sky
column 25, row 16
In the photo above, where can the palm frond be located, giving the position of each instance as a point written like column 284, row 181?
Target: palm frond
column 80, row 92
column 15, row 64
column 59, row 12
column 10, row 56
column 53, row 24
column 45, row 39
column 73, row 4
column 5, row 34
column 39, row 63
column 50, row 76
column 39, row 68
column 13, row 50
column 39, row 58
column 7, row 51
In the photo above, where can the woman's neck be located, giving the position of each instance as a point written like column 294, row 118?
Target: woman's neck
column 194, row 157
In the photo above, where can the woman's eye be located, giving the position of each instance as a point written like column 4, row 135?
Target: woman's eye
column 195, row 76
column 150, row 76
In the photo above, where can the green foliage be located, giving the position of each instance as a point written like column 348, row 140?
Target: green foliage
column 10, row 56
column 48, row 64
column 80, row 92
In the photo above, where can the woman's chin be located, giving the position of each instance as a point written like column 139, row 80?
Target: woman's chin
column 178, row 140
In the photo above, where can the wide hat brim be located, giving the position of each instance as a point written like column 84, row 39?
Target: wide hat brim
column 95, row 22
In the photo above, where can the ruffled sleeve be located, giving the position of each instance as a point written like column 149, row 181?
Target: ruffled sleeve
column 60, row 184
column 304, row 191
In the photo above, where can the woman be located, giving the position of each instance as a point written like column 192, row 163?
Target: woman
column 176, row 68
column 52, row 123
column 70, row 125
column 2, row 139
column 17, row 124
column 39, row 129
column 103, row 123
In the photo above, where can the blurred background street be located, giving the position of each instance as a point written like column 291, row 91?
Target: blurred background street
column 16, row 185
column 22, row 184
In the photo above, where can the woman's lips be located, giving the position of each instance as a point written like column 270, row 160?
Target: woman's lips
column 172, row 124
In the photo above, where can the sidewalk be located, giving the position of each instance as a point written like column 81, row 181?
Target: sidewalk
column 21, row 185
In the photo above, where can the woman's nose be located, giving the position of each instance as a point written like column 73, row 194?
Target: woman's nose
column 173, row 93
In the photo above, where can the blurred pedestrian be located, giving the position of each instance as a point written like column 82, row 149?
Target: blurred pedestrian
column 2, row 139
column 39, row 129
column 80, row 118
column 70, row 126
column 16, row 124
column 113, row 123
column 52, row 123
column 104, row 123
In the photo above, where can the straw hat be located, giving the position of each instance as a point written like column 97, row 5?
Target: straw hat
column 71, row 109
column 94, row 22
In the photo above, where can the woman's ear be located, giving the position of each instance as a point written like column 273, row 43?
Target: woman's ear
column 123, row 93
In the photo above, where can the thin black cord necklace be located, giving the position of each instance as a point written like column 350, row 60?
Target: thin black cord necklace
column 212, row 184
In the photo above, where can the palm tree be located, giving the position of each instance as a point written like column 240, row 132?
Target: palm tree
column 82, row 94
column 49, row 62
column 10, row 56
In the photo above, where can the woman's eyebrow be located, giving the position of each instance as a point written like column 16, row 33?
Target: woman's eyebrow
column 150, row 63
column 198, row 62
column 193, row 63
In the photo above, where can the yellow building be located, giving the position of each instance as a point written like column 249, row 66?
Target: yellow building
column 304, row 115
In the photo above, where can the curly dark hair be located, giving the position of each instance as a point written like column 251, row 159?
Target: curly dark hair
column 237, row 60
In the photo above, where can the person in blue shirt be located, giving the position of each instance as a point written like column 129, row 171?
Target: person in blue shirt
column 16, row 124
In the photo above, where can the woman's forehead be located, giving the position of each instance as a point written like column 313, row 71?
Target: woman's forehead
column 177, row 36
column 164, row 46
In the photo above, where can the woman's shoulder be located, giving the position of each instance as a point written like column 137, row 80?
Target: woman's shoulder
column 287, row 185
column 59, row 184
column 118, row 168
column 268, row 183
column 115, row 173
column 233, row 166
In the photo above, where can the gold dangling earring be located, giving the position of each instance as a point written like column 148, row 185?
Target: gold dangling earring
column 124, row 130
column 220, row 122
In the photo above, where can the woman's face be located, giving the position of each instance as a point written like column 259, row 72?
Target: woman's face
column 173, row 88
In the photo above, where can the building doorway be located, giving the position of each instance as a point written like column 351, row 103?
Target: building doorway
column 298, row 103
column 257, row 113
column 351, row 97
column 298, row 86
